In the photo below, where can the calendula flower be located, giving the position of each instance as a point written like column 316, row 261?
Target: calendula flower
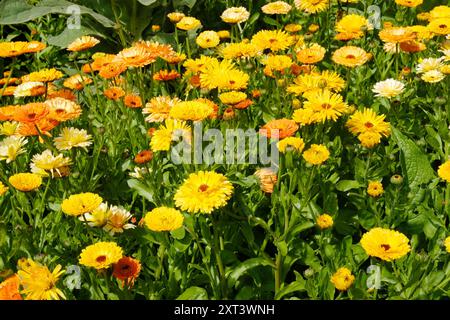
column 350, row 56
column 39, row 283
column 97, row 217
column 353, row 25
column 44, row 75
column 316, row 154
column 77, row 82
column 275, row 40
column 444, row 171
column 203, row 192
column 388, row 88
column 291, row 144
column 432, row 76
column 267, row 179
column 239, row 50
column 276, row 7
column 11, row 147
column 188, row 23
column 117, row 220
column 29, row 89
column 136, row 56
column 439, row 12
column 61, row 109
column 171, row 131
column 429, row 64
column 83, row 43
column 385, row 244
column 9, row 288
column 175, row 17
column 166, row 75
column 158, row 108
column 143, row 157
column 342, row 279
column 326, row 105
column 315, row 81
column 46, row 163
column 313, row 54
column 72, row 138
column 25, row 181
column 293, row 27
column 409, row 3
column 235, row 15
column 132, row 101
column 191, row 110
column 440, row 26
column 447, row 244
column 164, row 219
column 208, row 39
column 78, row 204
column 370, row 125
column 279, row 128
column 312, row 6
column 12, row 49
column 232, row 97
column 114, row 93
column 3, row 189
column 324, row 221
column 101, row 255
column 375, row 189
column 127, row 270
column 396, row 34
column 223, row 75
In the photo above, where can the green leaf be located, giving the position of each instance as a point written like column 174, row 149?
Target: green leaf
column 178, row 233
column 241, row 269
column 19, row 11
column 193, row 293
column 180, row 3
column 142, row 189
column 298, row 285
column 415, row 164
column 345, row 185
column 147, row 2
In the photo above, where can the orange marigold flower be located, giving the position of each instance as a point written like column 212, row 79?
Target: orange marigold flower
column 62, row 109
column 62, row 93
column 133, row 101
column 83, row 43
column 31, row 112
column 279, row 128
column 143, row 157
column 135, row 57
column 9, row 91
column 112, row 70
column 166, row 75
column 7, row 112
column 256, row 94
column 396, row 34
column 77, row 82
column 127, row 269
column 114, row 93
column 45, row 125
column 9, row 289
column 34, row 46
column 244, row 104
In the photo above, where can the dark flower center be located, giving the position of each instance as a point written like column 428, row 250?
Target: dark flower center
column 101, row 259
column 350, row 56
column 368, row 124
column 386, row 247
column 327, row 106
column 203, row 188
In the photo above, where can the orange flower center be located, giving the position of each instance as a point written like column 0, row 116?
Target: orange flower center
column 203, row 188
column 368, row 125
column 327, row 106
column 101, row 259
column 386, row 247
column 350, row 56
column 442, row 26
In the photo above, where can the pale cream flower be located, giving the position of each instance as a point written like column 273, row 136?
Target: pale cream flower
column 388, row 88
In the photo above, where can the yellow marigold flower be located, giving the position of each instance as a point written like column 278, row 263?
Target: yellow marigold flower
column 45, row 163
column 277, row 62
column 369, row 139
column 158, row 108
column 72, row 138
column 326, row 80
column 97, row 217
column 175, row 17
column 312, row 6
column 164, row 219
column 326, row 105
column 439, row 12
column 396, row 34
column 277, row 7
column 39, row 283
column 291, row 144
column 78, row 204
column 267, row 179
column 203, row 192
column 368, row 121
column 25, row 181
column 224, row 34
column 188, row 23
column 101, row 255
column 239, row 50
column 172, row 130
column 11, row 147
column 191, row 110
column 316, row 154
column 440, row 26
column 275, row 40
column 293, row 27
column 385, row 244
column 324, row 221
column 432, row 76
column 353, row 24
column 388, row 88
column 232, row 97
column 224, row 76
column 235, row 15
column 444, row 171
column 447, row 244
column 208, row 39
column 83, row 43
column 312, row 54
column 3, row 189
column 342, row 279
column 444, row 69
column 77, row 82
column 350, row 56
column 375, row 189
column 44, row 75
column 409, row 3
